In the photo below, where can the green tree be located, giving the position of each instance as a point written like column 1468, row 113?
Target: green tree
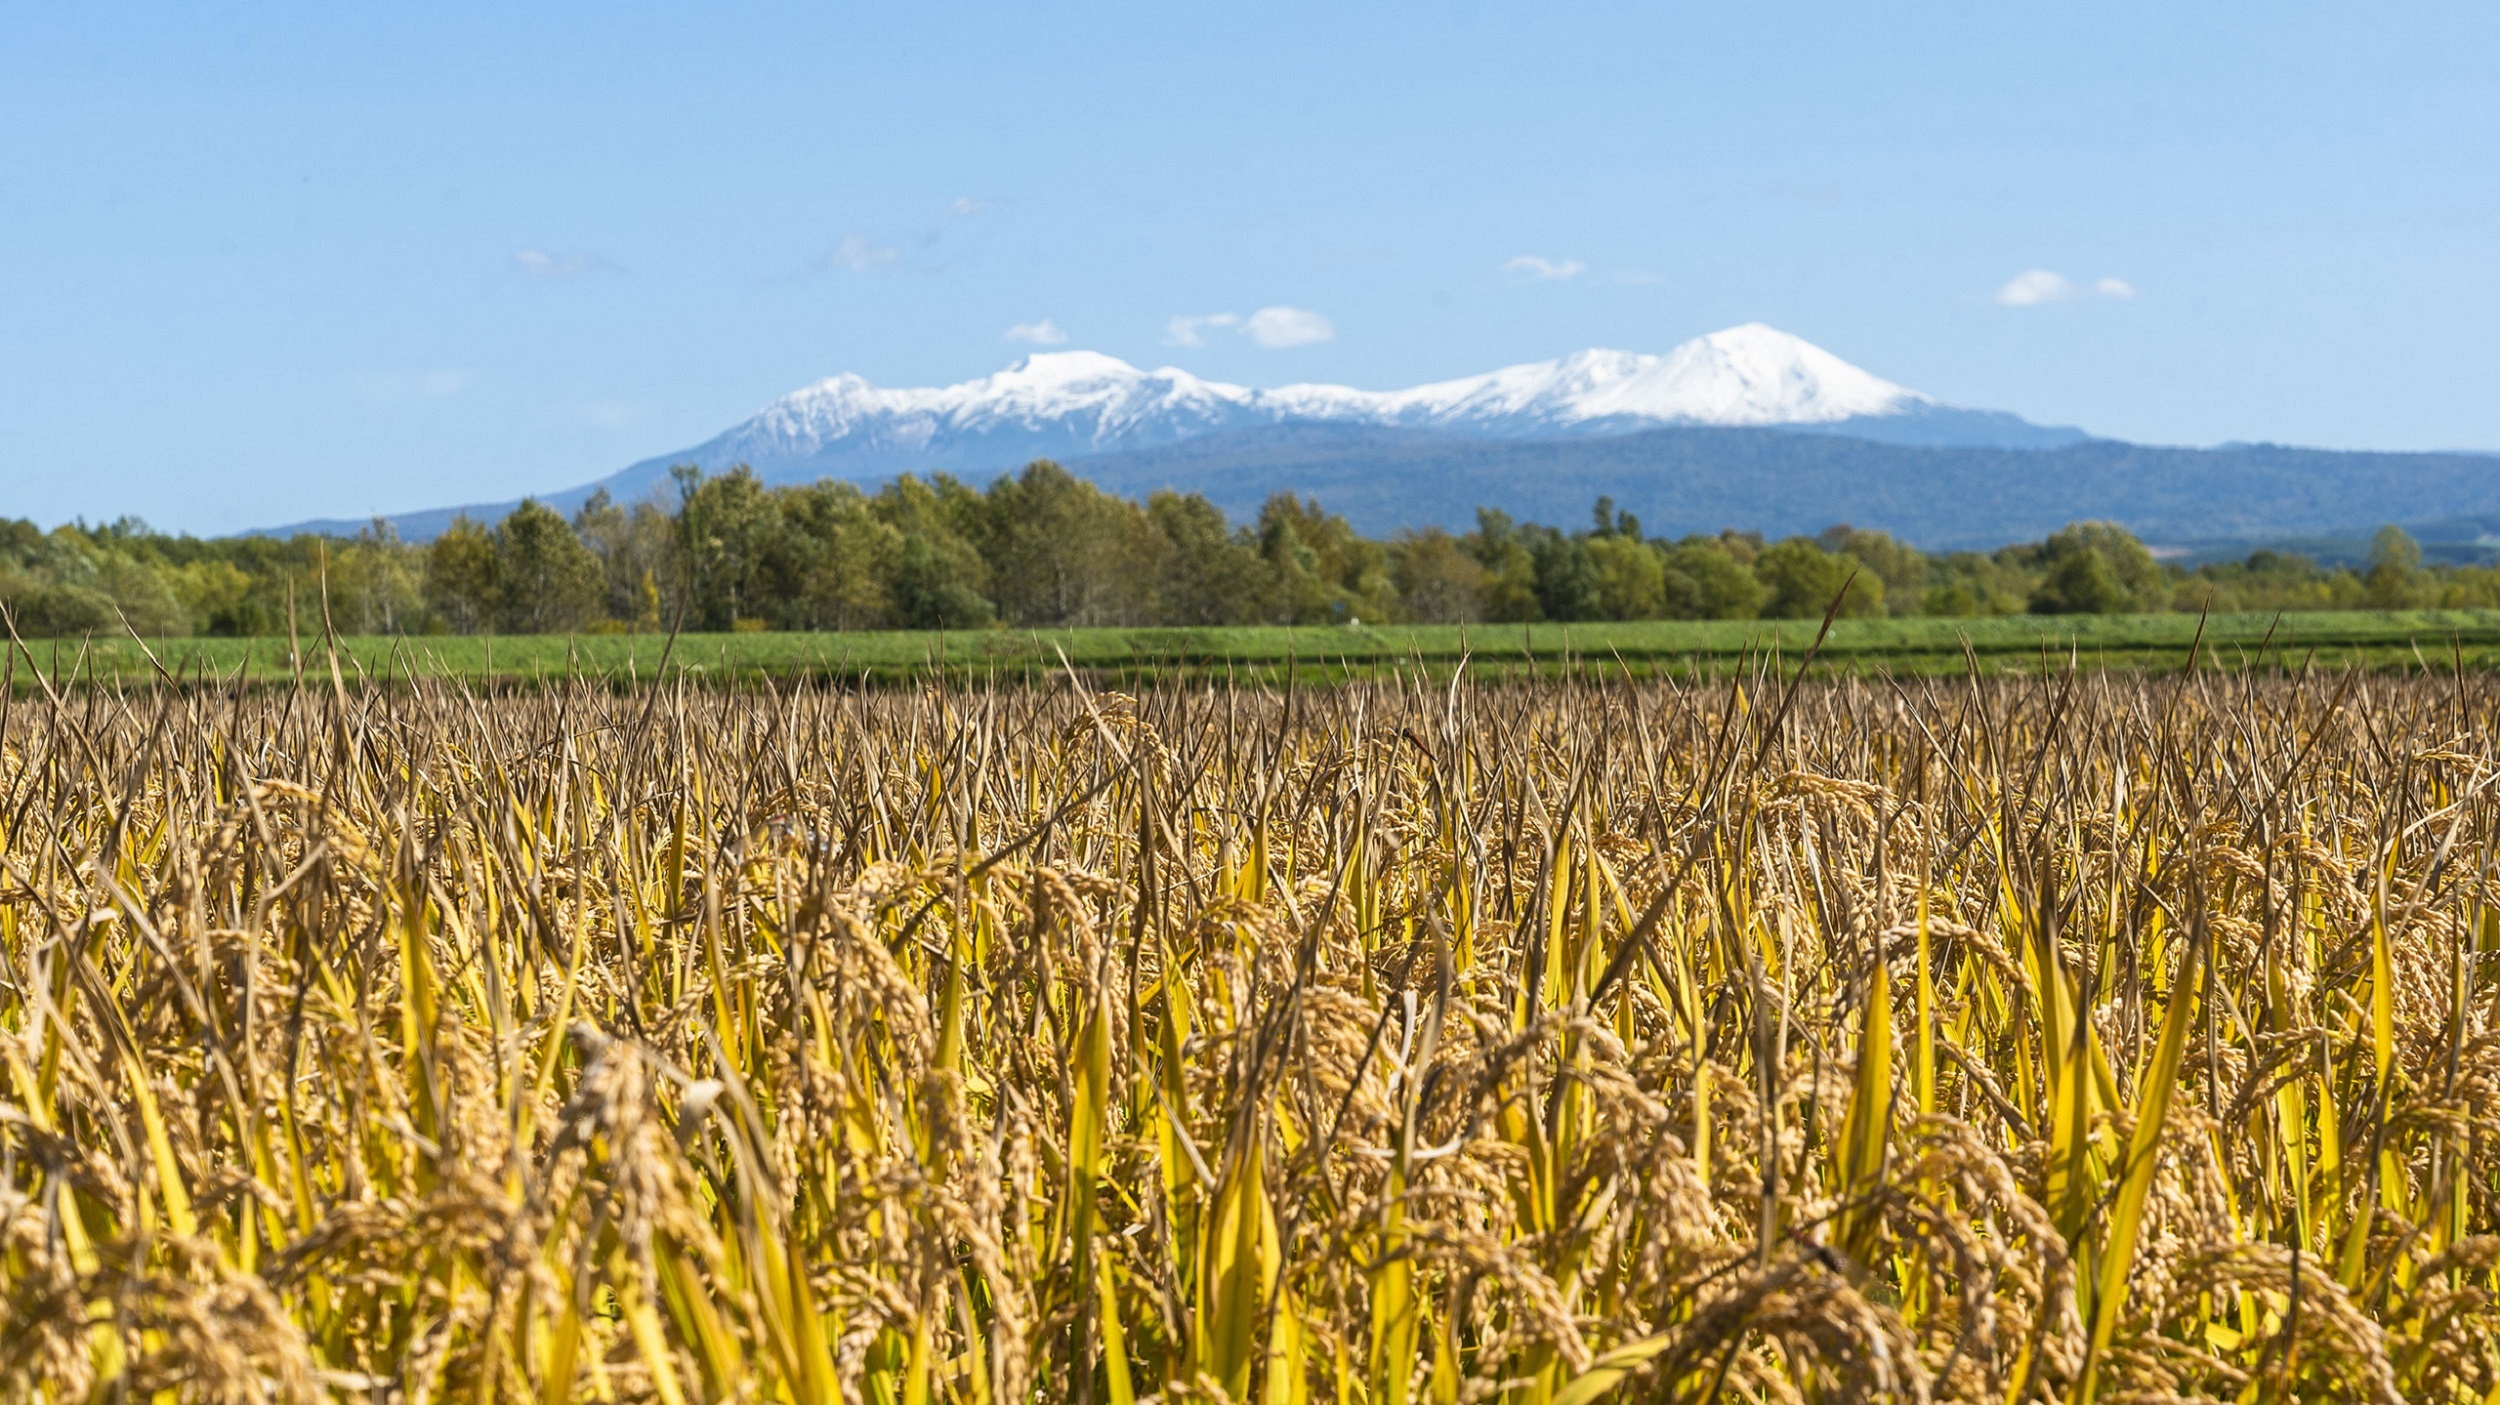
column 373, row 581
column 1803, row 579
column 1437, row 581
column 1702, row 578
column 1061, row 552
column 77, row 580
column 2269, row 581
column 2097, row 568
column 1631, row 577
column 841, row 558
column 2080, row 583
column 641, row 560
column 141, row 596
column 1902, row 566
column 1567, row 586
column 1324, row 572
column 2468, row 588
column 933, row 589
column 1968, row 583
column 1508, row 588
column 550, row 582
column 464, row 577
column 62, row 610
column 217, row 595
column 730, row 527
column 1607, row 522
column 2395, row 562
column 941, row 579
column 1211, row 574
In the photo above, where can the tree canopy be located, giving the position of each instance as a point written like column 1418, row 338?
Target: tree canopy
column 1045, row 548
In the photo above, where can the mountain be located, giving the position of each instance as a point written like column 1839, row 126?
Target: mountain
column 1068, row 404
column 1748, row 427
column 1071, row 405
column 1694, row 478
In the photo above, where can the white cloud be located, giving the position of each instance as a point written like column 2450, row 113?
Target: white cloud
column 1192, row 331
column 1536, row 268
column 1274, row 328
column 860, row 254
column 386, row 389
column 2032, row 288
column 545, row 263
column 2039, row 285
column 1277, row 328
column 1042, row 333
column 919, row 251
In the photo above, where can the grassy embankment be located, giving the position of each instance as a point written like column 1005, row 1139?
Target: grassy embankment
column 2437, row 639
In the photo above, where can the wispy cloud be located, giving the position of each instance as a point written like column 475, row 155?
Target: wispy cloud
column 2039, row 286
column 1275, row 328
column 1536, row 268
column 913, row 252
column 1042, row 333
column 557, row 267
column 1192, row 331
column 861, row 254
column 1279, row 327
column 2034, row 287
column 383, row 390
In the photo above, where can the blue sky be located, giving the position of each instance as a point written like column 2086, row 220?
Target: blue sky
column 269, row 261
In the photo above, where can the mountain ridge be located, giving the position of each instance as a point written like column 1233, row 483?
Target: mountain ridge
column 1747, row 427
column 1701, row 478
column 1077, row 404
column 1084, row 401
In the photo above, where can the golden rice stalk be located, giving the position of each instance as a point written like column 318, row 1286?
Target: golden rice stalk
column 2073, row 1037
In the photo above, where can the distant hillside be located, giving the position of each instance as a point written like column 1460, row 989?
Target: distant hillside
column 1699, row 479
column 1779, row 482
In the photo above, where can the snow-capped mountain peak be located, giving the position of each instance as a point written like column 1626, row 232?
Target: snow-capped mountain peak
column 1107, row 418
column 1100, row 399
column 1075, row 404
column 1754, row 374
column 1748, row 375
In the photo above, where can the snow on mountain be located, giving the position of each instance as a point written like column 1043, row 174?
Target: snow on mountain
column 1092, row 396
column 1749, row 375
column 1081, row 406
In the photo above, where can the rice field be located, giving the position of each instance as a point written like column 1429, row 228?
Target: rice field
column 2073, row 1037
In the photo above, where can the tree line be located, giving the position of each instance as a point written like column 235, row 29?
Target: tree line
column 1043, row 548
